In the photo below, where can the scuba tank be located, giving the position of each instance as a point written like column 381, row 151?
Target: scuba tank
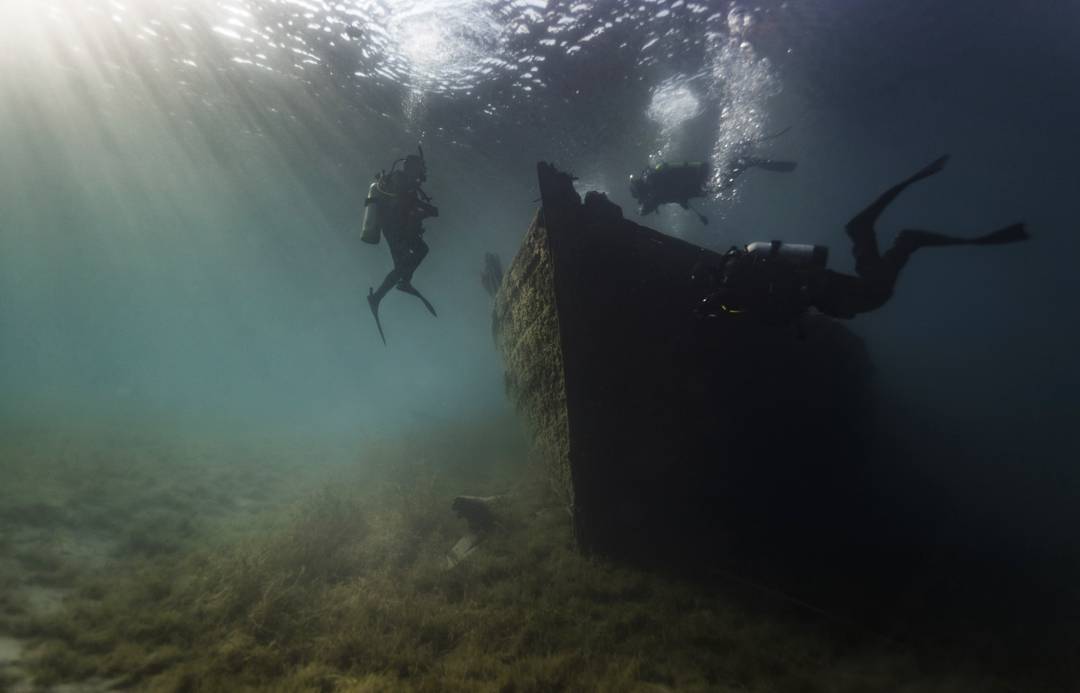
column 370, row 231
column 770, row 282
column 798, row 254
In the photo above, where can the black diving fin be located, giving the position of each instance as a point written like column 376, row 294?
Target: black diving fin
column 410, row 289
column 1010, row 234
column 374, row 303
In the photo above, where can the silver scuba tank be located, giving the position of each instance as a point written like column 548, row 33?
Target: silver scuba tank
column 798, row 254
column 370, row 230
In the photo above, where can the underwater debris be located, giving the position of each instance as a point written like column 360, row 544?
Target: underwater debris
column 483, row 516
column 478, row 511
column 464, row 547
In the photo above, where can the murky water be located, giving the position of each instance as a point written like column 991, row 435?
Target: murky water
column 187, row 353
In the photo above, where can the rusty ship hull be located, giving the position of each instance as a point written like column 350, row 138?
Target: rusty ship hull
column 668, row 435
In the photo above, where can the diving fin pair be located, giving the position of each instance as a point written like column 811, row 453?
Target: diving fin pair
column 406, row 287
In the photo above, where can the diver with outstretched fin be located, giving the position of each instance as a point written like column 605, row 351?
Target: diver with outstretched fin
column 396, row 207
column 679, row 183
column 776, row 282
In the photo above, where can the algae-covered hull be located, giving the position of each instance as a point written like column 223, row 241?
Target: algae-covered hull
column 662, row 430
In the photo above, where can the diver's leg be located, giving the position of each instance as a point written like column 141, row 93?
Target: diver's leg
column 418, row 252
column 410, row 289
column 415, row 254
column 399, row 255
column 861, row 227
column 376, row 296
column 843, row 296
column 910, row 240
column 871, row 213
column 701, row 217
column 392, row 278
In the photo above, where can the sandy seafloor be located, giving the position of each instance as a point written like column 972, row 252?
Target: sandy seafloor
column 165, row 561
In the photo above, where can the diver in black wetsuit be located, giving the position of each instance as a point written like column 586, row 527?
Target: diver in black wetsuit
column 777, row 282
column 680, row 183
column 667, row 183
column 400, row 207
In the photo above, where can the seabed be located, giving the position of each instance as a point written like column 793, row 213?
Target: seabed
column 172, row 563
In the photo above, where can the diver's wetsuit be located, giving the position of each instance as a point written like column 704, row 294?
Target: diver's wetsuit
column 403, row 206
column 843, row 295
column 773, row 290
column 668, row 183
column 680, row 183
column 404, row 232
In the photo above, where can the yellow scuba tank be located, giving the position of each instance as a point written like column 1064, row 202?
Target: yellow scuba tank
column 371, row 229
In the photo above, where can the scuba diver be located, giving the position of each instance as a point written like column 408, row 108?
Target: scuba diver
column 396, row 207
column 776, row 282
column 667, row 183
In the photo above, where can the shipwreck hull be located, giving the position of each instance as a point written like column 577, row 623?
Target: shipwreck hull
column 666, row 434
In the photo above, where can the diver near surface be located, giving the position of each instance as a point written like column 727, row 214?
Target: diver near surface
column 679, row 183
column 396, row 207
column 777, row 282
